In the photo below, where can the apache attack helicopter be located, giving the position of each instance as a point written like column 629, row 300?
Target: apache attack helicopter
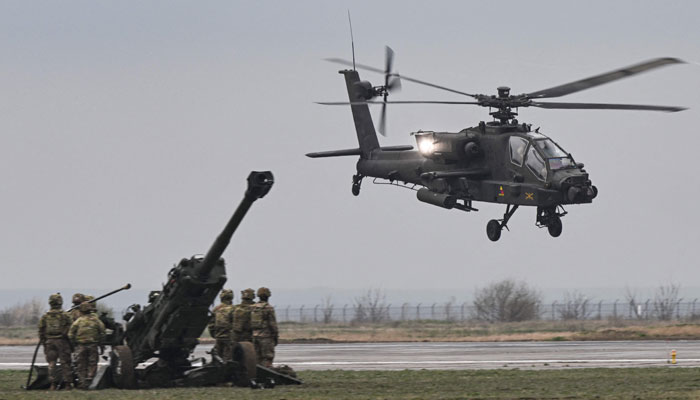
column 502, row 161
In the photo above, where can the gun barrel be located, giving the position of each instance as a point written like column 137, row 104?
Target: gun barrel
column 259, row 184
column 125, row 287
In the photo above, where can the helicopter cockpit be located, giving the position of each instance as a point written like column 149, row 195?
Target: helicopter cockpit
column 539, row 154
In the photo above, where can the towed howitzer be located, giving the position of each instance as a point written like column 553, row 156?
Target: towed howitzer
column 170, row 325
column 42, row 373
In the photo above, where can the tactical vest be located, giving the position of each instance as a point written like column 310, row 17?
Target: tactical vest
column 241, row 317
column 88, row 329
column 258, row 318
column 222, row 322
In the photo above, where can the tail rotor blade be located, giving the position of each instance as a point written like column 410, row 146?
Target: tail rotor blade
column 382, row 120
column 394, row 84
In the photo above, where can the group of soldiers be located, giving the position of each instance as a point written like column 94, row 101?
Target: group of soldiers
column 247, row 321
column 72, row 338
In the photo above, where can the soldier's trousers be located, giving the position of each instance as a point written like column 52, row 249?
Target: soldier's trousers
column 224, row 348
column 55, row 350
column 265, row 350
column 86, row 363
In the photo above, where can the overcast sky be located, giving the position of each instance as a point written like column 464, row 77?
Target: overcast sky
column 128, row 129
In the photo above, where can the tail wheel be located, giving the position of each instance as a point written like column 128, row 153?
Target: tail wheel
column 493, row 230
column 121, row 363
column 554, row 226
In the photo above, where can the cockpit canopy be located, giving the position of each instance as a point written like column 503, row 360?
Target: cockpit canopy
column 539, row 153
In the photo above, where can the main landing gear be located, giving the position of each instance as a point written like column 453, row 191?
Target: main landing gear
column 494, row 227
column 549, row 217
column 356, row 183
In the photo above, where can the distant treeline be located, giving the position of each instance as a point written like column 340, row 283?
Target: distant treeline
column 23, row 314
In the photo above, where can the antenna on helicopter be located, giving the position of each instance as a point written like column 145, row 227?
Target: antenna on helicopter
column 352, row 41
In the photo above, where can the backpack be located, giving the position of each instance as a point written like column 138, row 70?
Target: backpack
column 54, row 324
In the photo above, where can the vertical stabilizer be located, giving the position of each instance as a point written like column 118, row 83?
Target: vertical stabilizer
column 366, row 135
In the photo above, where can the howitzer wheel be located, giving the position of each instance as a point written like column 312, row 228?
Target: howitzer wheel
column 121, row 363
column 244, row 354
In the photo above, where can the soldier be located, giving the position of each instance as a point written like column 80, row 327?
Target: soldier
column 221, row 325
column 53, row 332
column 242, row 332
column 77, row 299
column 86, row 333
column 264, row 324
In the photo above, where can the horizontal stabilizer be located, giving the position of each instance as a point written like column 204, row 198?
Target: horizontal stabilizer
column 355, row 152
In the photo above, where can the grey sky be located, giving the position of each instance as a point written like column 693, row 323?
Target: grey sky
column 128, row 129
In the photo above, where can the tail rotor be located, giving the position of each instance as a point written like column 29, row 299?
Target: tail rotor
column 392, row 82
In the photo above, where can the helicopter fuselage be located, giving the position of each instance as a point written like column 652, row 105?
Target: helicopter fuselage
column 497, row 163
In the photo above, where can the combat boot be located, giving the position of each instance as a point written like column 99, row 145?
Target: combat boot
column 52, row 387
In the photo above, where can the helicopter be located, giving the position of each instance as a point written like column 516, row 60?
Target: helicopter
column 502, row 161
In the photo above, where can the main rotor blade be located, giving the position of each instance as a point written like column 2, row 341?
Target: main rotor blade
column 404, row 77
column 601, row 79
column 357, row 103
column 600, row 106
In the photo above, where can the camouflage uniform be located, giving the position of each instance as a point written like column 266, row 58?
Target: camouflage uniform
column 86, row 333
column 242, row 332
column 264, row 324
column 221, row 325
column 77, row 299
column 53, row 332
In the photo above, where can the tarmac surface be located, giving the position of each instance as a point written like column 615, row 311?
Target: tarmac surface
column 422, row 355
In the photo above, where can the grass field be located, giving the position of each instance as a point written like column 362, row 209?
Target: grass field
column 456, row 331
column 628, row 383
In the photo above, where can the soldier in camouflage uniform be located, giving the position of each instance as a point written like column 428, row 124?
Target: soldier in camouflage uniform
column 221, row 325
column 77, row 299
column 53, row 332
column 264, row 324
column 86, row 333
column 242, row 332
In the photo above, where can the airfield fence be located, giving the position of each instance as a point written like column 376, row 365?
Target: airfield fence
column 554, row 311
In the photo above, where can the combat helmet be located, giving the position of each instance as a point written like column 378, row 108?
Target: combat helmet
column 55, row 300
column 88, row 299
column 78, row 298
column 264, row 292
column 86, row 307
column 248, row 294
column 226, row 294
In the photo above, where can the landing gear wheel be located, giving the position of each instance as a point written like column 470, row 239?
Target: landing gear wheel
column 356, row 182
column 554, row 226
column 121, row 363
column 493, row 230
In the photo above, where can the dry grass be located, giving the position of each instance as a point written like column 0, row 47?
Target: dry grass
column 430, row 331
column 440, row 331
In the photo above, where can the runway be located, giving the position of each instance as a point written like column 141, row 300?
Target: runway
column 483, row 355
